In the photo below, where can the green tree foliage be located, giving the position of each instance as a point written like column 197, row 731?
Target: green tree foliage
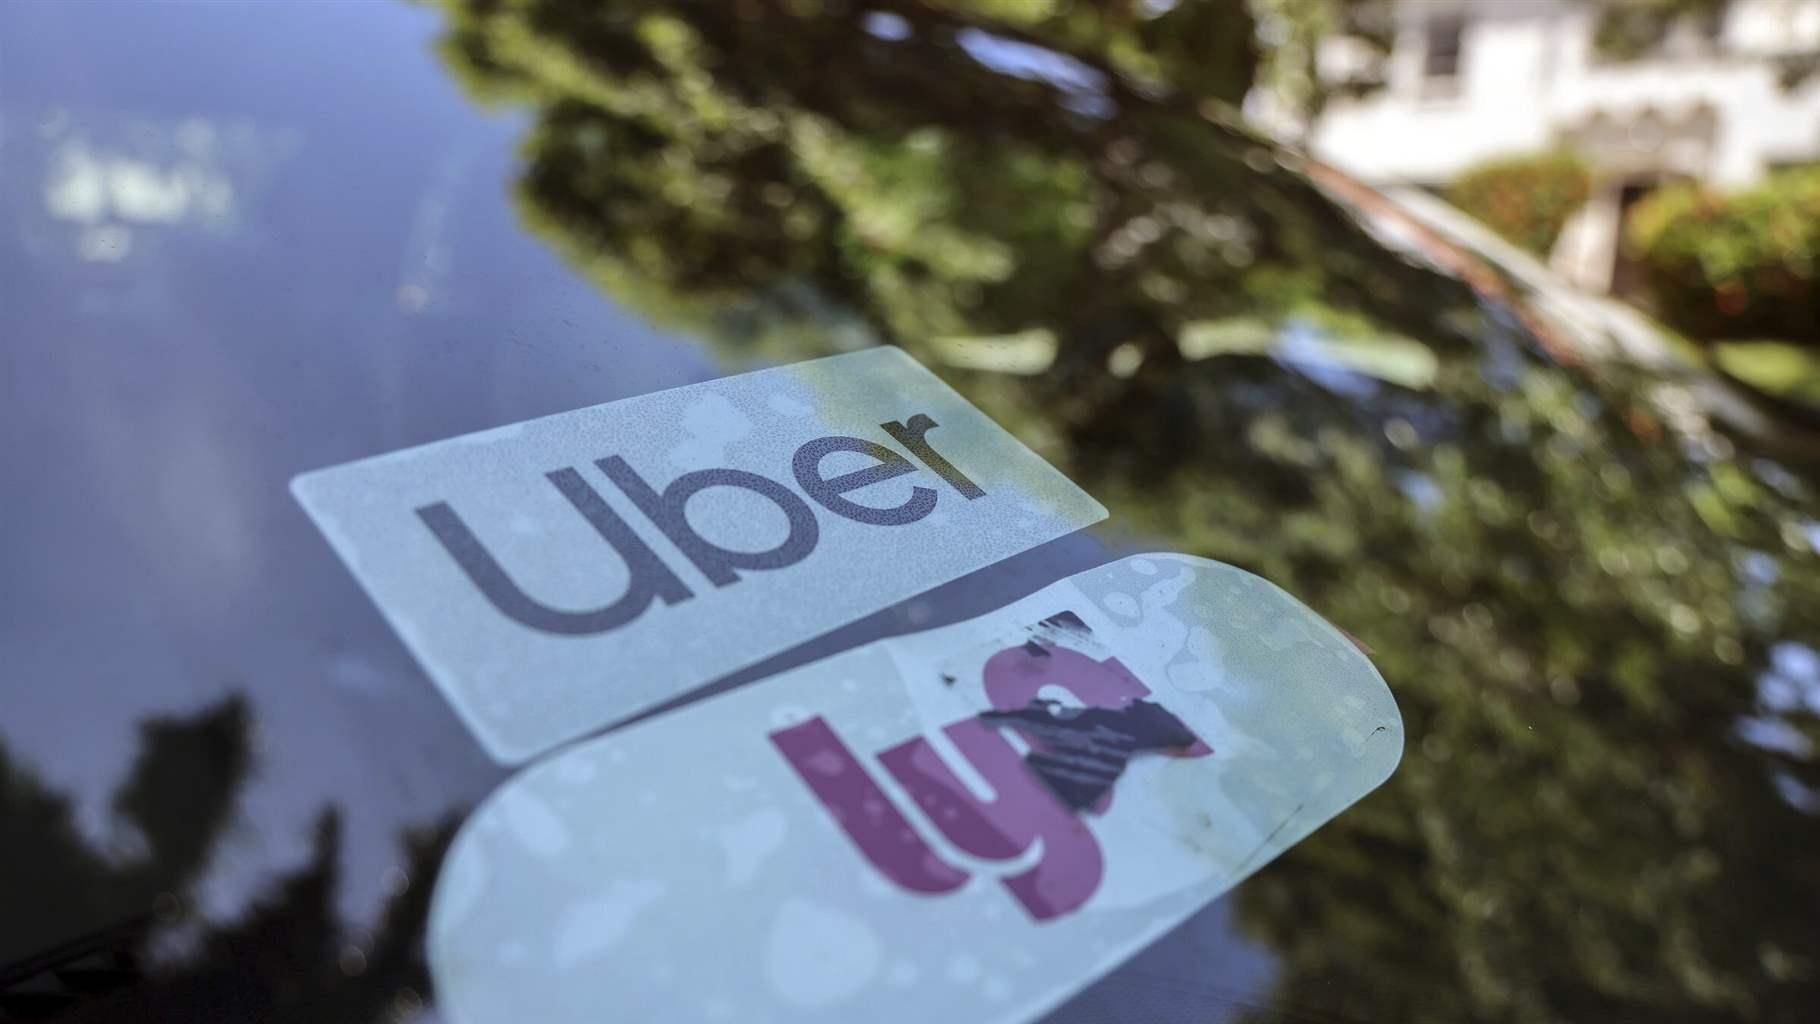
column 1632, row 28
column 1739, row 266
column 927, row 191
column 1526, row 199
column 1290, row 33
column 1592, row 609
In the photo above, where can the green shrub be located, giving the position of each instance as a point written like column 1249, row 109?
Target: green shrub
column 1526, row 199
column 1739, row 266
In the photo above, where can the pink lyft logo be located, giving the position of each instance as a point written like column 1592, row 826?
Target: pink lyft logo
column 1076, row 754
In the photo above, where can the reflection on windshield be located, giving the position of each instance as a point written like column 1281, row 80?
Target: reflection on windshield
column 287, row 957
column 110, row 182
column 1591, row 607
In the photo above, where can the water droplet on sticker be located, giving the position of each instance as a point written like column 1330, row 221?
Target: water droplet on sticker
column 818, row 956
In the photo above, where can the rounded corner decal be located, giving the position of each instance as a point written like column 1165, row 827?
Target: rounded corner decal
column 967, row 824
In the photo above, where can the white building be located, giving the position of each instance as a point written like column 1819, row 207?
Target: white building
column 1470, row 80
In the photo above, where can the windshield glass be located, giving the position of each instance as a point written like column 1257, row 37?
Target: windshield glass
column 243, row 243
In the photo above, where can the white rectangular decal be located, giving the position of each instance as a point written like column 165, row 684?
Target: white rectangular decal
column 558, row 575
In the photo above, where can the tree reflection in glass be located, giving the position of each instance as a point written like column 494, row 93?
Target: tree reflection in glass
column 129, row 944
column 1595, row 607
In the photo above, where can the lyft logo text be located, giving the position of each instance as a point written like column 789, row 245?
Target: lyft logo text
column 1076, row 753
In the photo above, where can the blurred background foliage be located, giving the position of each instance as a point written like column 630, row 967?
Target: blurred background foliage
column 1735, row 267
column 1526, row 199
column 1735, row 272
column 1596, row 609
column 1631, row 28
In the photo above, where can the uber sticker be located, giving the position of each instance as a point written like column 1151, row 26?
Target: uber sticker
column 965, row 825
column 558, row 575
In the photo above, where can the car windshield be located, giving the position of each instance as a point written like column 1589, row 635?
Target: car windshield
column 244, row 241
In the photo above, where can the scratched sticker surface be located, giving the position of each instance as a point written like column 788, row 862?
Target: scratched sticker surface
column 558, row 575
column 967, row 825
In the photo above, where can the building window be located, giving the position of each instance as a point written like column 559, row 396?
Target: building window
column 1443, row 49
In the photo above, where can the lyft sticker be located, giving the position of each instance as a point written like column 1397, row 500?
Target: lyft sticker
column 968, row 824
column 558, row 575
